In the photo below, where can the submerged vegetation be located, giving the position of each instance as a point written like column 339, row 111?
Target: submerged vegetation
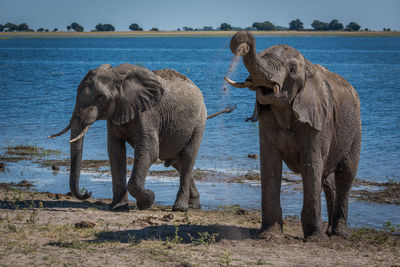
column 28, row 150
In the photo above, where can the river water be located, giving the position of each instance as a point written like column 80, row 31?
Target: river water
column 38, row 80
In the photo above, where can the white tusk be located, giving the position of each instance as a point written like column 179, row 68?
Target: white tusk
column 276, row 89
column 236, row 84
column 81, row 134
column 60, row 133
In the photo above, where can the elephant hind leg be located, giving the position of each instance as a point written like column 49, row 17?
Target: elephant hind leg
column 344, row 176
column 194, row 196
column 328, row 185
column 187, row 193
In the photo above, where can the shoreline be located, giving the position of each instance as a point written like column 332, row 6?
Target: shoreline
column 149, row 34
column 49, row 160
column 41, row 228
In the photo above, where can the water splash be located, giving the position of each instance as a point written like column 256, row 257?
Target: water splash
column 231, row 70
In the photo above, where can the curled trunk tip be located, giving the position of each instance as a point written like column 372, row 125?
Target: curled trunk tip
column 60, row 133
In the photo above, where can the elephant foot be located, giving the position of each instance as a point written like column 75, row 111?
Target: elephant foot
column 328, row 231
column 145, row 200
column 120, row 208
column 314, row 234
column 340, row 230
column 194, row 203
column 316, row 237
column 271, row 233
column 178, row 206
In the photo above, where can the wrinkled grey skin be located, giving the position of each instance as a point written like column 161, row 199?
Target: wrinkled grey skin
column 161, row 114
column 312, row 123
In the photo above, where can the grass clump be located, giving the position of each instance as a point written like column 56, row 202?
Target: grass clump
column 30, row 151
column 388, row 234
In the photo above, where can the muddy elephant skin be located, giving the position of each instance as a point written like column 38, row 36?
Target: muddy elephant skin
column 309, row 118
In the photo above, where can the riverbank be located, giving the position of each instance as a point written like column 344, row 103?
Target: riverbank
column 144, row 34
column 39, row 228
column 383, row 193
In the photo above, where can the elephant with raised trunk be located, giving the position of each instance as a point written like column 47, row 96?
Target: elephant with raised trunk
column 309, row 118
column 161, row 114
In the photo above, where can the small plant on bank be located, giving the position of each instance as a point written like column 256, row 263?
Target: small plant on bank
column 33, row 217
column 177, row 239
column 226, row 258
column 373, row 236
column 205, row 238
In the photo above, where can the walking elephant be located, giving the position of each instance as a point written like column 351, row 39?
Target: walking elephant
column 161, row 114
column 309, row 118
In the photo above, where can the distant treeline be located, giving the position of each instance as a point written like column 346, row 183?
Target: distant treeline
column 294, row 25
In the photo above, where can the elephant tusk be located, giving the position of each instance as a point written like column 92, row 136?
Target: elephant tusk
column 81, row 134
column 246, row 84
column 276, row 89
column 60, row 133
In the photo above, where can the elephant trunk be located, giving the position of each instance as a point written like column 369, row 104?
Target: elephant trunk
column 76, row 149
column 263, row 70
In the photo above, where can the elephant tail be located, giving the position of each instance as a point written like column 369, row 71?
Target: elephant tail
column 228, row 109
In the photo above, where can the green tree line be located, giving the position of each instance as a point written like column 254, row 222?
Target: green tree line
column 294, row 25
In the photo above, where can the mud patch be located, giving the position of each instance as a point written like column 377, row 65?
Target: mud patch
column 388, row 193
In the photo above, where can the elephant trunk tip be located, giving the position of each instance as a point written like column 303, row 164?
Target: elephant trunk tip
column 60, row 133
column 241, row 43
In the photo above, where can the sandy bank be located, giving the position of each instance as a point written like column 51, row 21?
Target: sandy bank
column 55, row 229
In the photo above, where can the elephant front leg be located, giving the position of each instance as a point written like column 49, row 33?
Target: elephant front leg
column 328, row 185
column 117, row 158
column 311, row 212
column 271, row 177
column 136, row 186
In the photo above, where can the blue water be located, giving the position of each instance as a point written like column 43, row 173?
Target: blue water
column 38, row 80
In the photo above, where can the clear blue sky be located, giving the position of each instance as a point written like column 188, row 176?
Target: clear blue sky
column 173, row 14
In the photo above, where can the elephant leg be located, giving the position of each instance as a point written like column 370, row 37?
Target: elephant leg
column 344, row 176
column 271, row 178
column 311, row 213
column 328, row 185
column 136, row 185
column 194, row 196
column 194, row 199
column 254, row 116
column 117, row 157
column 187, row 189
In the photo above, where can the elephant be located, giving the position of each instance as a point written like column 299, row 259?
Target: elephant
column 160, row 113
column 310, row 119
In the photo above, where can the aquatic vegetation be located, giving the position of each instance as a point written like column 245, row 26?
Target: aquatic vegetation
column 29, row 151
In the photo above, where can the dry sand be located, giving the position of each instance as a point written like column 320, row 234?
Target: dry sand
column 41, row 229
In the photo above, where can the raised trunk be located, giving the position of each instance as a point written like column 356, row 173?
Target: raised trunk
column 76, row 149
column 262, row 70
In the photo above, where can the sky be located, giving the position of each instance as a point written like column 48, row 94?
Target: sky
column 174, row 14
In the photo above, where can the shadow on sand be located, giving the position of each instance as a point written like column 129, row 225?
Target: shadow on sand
column 50, row 204
column 185, row 233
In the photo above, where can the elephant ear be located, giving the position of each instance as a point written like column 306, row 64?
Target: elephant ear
column 140, row 90
column 314, row 102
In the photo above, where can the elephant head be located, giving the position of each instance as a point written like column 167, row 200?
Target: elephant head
column 280, row 75
column 118, row 94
